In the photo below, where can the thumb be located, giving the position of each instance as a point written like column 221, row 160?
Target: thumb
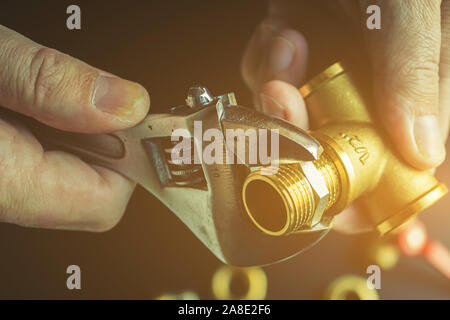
column 64, row 92
column 405, row 59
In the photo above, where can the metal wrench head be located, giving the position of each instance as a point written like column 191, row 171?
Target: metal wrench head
column 205, row 195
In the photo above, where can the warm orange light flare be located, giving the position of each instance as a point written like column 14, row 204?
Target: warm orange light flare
column 413, row 240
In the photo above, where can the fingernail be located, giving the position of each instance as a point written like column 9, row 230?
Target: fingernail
column 428, row 138
column 271, row 106
column 281, row 54
column 265, row 32
column 117, row 96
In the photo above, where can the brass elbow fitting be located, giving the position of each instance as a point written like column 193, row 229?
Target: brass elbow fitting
column 358, row 163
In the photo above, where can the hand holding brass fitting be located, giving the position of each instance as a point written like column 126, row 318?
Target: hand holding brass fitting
column 345, row 158
column 359, row 164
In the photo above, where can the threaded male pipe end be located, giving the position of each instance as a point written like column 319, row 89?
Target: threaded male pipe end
column 284, row 202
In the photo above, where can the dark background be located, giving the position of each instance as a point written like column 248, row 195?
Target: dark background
column 166, row 46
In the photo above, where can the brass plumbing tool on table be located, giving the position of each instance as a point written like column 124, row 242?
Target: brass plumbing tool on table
column 345, row 158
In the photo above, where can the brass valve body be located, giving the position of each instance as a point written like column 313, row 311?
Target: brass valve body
column 358, row 163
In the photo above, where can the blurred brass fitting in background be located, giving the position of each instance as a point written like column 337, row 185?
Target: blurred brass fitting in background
column 359, row 164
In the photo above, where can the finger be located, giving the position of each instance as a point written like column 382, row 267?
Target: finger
column 283, row 100
column 274, row 52
column 351, row 221
column 405, row 59
column 286, row 58
column 56, row 189
column 64, row 92
column 255, row 51
column 444, row 71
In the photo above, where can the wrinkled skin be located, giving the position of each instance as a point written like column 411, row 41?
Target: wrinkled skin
column 409, row 62
column 53, row 189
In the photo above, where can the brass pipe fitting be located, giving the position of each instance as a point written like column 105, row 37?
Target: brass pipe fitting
column 358, row 163
column 284, row 202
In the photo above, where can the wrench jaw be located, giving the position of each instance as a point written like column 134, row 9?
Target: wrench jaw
column 295, row 143
column 241, row 242
column 213, row 210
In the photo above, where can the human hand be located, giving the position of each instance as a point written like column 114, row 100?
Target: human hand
column 54, row 189
column 410, row 61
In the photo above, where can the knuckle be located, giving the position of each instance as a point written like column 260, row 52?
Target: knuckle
column 413, row 83
column 413, row 74
column 16, row 180
column 16, row 202
column 48, row 71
